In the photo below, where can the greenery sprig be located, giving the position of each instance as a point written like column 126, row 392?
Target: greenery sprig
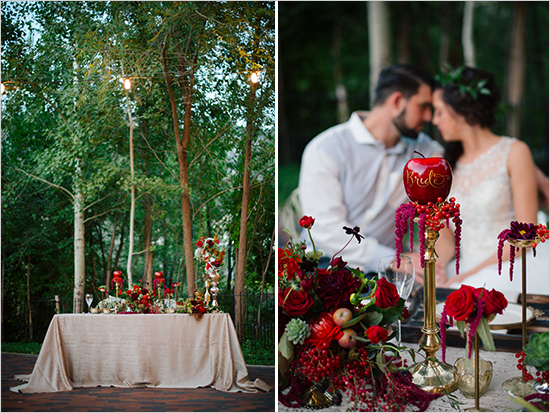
column 448, row 75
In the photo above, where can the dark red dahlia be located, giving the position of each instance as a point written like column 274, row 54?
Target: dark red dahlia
column 335, row 287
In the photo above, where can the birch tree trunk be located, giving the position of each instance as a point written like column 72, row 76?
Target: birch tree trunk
column 133, row 196
column 379, row 40
column 516, row 70
column 79, row 254
column 468, row 35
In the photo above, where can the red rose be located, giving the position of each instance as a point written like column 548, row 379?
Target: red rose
column 460, row 304
column 376, row 334
column 323, row 331
column 493, row 301
column 295, row 302
column 199, row 243
column 306, row 222
column 386, row 294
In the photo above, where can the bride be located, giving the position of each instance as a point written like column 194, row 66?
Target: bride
column 495, row 182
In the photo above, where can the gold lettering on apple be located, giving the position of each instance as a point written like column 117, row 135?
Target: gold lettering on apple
column 434, row 180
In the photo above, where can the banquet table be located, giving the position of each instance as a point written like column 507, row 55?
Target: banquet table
column 140, row 350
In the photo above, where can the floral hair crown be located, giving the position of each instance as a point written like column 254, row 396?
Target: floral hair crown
column 448, row 75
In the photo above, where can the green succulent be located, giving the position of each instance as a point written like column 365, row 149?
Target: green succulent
column 297, row 331
column 536, row 351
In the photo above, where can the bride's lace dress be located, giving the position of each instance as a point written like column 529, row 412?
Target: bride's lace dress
column 483, row 190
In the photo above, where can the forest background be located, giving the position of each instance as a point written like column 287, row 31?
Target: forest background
column 97, row 178
column 330, row 55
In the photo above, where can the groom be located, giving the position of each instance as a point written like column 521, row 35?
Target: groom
column 352, row 174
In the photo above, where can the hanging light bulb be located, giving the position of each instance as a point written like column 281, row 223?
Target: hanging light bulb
column 254, row 77
column 2, row 88
column 127, row 83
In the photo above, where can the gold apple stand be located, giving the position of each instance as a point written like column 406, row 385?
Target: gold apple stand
column 431, row 375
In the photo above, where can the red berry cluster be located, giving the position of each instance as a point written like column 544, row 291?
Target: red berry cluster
column 542, row 234
column 521, row 366
column 316, row 364
column 435, row 213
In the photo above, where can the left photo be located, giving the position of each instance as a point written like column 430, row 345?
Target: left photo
column 138, row 206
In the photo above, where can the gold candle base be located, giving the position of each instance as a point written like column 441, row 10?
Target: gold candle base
column 431, row 375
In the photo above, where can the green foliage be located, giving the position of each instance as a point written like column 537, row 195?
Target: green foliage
column 255, row 354
column 21, row 347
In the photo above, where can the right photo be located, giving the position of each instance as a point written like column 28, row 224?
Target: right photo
column 413, row 147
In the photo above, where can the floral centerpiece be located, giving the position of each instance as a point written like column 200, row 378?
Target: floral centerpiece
column 209, row 251
column 472, row 309
column 334, row 325
column 141, row 300
column 531, row 234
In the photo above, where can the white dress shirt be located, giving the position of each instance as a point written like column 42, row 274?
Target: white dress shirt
column 348, row 178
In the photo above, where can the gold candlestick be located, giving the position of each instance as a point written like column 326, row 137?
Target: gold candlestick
column 476, row 408
column 518, row 386
column 431, row 375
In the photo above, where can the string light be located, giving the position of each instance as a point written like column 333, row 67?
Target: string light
column 127, row 83
column 2, row 88
column 254, row 77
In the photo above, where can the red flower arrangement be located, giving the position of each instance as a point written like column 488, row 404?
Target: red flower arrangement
column 472, row 309
column 520, row 231
column 334, row 325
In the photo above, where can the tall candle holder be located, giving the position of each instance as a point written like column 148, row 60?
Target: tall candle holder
column 431, row 375
column 519, row 386
column 476, row 407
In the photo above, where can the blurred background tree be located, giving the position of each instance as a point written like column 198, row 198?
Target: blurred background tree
column 331, row 52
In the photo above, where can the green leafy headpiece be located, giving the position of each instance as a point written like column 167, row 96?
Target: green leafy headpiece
column 448, row 75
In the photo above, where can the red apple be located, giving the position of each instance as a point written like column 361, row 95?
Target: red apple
column 347, row 340
column 158, row 274
column 117, row 274
column 427, row 179
column 342, row 316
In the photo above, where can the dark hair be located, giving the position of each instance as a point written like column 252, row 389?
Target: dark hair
column 478, row 104
column 400, row 78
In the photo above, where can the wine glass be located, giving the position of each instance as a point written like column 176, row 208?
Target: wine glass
column 402, row 277
column 89, row 300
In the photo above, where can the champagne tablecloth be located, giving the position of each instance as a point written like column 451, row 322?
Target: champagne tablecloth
column 137, row 350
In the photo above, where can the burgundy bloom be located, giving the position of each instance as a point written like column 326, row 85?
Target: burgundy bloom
column 306, row 222
column 338, row 263
column 335, row 287
column 522, row 230
column 307, row 284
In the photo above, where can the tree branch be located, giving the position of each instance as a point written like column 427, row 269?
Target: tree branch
column 72, row 197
